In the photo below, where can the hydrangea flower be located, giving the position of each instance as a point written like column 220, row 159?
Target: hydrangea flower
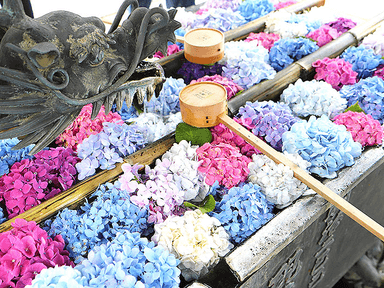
column 326, row 145
column 253, row 9
column 379, row 72
column 364, row 129
column 375, row 41
column 342, row 24
column 223, row 163
column 312, row 23
column 168, row 101
column 286, row 51
column 2, row 216
column 324, row 35
column 246, row 64
column 269, row 120
column 364, row 60
column 58, row 277
column 277, row 181
column 130, row 261
column 222, row 134
column 110, row 146
column 243, row 211
column 266, row 40
column 196, row 239
column 8, row 156
column 231, row 87
column 97, row 222
column 172, row 49
column 126, row 114
column 284, row 4
column 32, row 181
column 26, row 250
column 83, row 126
column 369, row 94
column 156, row 189
column 336, row 72
column 191, row 71
column 313, row 98
column 224, row 4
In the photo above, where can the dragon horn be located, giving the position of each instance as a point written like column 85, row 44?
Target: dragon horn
column 15, row 9
column 121, row 12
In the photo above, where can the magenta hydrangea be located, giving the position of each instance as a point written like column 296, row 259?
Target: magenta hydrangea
column 231, row 87
column 263, row 39
column 364, row 129
column 379, row 72
column 336, row 72
column 26, row 250
column 342, row 24
column 280, row 5
column 172, row 49
column 324, row 35
column 84, row 126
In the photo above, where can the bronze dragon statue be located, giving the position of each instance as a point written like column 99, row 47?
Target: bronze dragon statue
column 51, row 66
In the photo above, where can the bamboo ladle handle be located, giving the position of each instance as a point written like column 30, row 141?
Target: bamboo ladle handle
column 304, row 177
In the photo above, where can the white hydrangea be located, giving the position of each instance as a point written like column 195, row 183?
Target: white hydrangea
column 375, row 41
column 277, row 181
column 184, row 164
column 323, row 14
column 277, row 23
column 314, row 97
column 196, row 239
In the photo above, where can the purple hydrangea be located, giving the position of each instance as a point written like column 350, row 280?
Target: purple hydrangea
column 342, row 24
column 191, row 71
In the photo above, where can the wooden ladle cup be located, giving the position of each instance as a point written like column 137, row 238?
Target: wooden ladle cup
column 204, row 104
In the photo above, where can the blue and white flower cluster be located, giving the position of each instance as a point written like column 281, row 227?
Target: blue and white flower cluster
column 313, row 98
column 8, row 156
column 253, row 9
column 326, row 145
column 246, row 64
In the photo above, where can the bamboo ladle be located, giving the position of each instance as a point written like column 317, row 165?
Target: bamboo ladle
column 204, row 104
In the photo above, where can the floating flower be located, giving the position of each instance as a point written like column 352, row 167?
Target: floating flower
column 110, row 146
column 326, row 145
column 364, row 129
column 336, row 72
column 126, row 113
column 284, row 4
column 364, row 60
column 269, row 120
column 2, row 216
column 83, row 126
column 191, row 71
column 100, row 221
column 231, row 87
column 26, row 250
column 266, row 40
column 196, row 239
column 55, row 277
column 369, row 93
column 8, row 156
column 253, row 9
column 278, row 22
column 323, row 35
column 277, row 181
column 313, row 98
column 130, row 261
column 379, row 72
column 243, row 211
column 375, row 41
column 172, row 49
column 246, row 64
column 224, row 4
column 342, row 24
column 223, row 163
column 285, row 51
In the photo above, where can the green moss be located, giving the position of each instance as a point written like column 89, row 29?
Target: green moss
column 197, row 136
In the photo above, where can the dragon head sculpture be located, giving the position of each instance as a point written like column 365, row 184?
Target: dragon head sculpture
column 50, row 67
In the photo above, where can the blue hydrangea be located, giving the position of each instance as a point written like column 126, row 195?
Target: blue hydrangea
column 168, row 100
column 311, row 22
column 270, row 120
column 364, row 60
column 97, row 222
column 326, row 145
column 126, row 113
column 253, row 9
column 2, row 216
column 220, row 19
column 58, row 277
column 243, row 211
column 369, row 93
column 180, row 32
column 8, row 156
column 110, row 146
column 286, row 51
column 130, row 261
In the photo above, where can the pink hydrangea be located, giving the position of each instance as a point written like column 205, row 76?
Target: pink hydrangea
column 364, row 129
column 26, row 250
column 31, row 181
column 223, row 163
column 222, row 134
column 263, row 39
column 280, row 5
column 324, row 35
column 172, row 49
column 231, row 87
column 83, row 126
column 336, row 72
column 379, row 72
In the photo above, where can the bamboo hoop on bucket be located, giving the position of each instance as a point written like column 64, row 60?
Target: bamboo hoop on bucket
column 204, row 104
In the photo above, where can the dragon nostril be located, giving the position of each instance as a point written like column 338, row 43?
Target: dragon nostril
column 59, row 78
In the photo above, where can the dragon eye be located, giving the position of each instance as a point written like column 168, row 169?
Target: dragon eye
column 96, row 55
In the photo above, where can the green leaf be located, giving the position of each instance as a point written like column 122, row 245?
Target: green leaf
column 355, row 108
column 207, row 205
